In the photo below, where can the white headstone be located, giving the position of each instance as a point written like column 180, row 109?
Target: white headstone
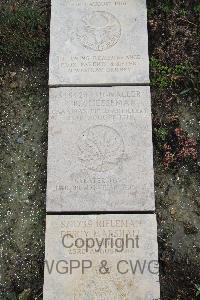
column 101, row 257
column 98, row 42
column 100, row 149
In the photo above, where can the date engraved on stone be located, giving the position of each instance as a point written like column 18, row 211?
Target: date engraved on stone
column 101, row 148
column 98, row 31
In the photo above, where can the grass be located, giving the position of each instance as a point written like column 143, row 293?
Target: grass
column 24, row 31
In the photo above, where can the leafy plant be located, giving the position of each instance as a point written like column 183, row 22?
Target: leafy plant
column 197, row 286
column 161, row 133
column 167, row 6
column 197, row 8
column 164, row 76
column 183, row 12
column 160, row 74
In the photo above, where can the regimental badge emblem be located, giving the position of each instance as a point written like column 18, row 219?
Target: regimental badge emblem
column 101, row 148
column 98, row 31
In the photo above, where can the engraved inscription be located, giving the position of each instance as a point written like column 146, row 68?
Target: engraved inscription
column 101, row 148
column 95, row 290
column 99, row 288
column 98, row 31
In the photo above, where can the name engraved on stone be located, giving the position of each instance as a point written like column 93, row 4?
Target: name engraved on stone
column 106, row 264
column 98, row 30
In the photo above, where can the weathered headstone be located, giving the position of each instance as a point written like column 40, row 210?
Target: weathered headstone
column 100, row 149
column 101, row 257
column 98, row 42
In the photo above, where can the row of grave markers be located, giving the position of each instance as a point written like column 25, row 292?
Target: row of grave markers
column 100, row 156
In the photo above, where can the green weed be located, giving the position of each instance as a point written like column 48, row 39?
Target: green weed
column 197, row 8
column 183, row 12
column 197, row 286
column 161, row 74
column 167, row 6
column 161, row 133
column 164, row 76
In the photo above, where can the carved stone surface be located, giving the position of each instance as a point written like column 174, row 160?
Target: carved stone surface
column 98, row 42
column 101, row 257
column 100, row 149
